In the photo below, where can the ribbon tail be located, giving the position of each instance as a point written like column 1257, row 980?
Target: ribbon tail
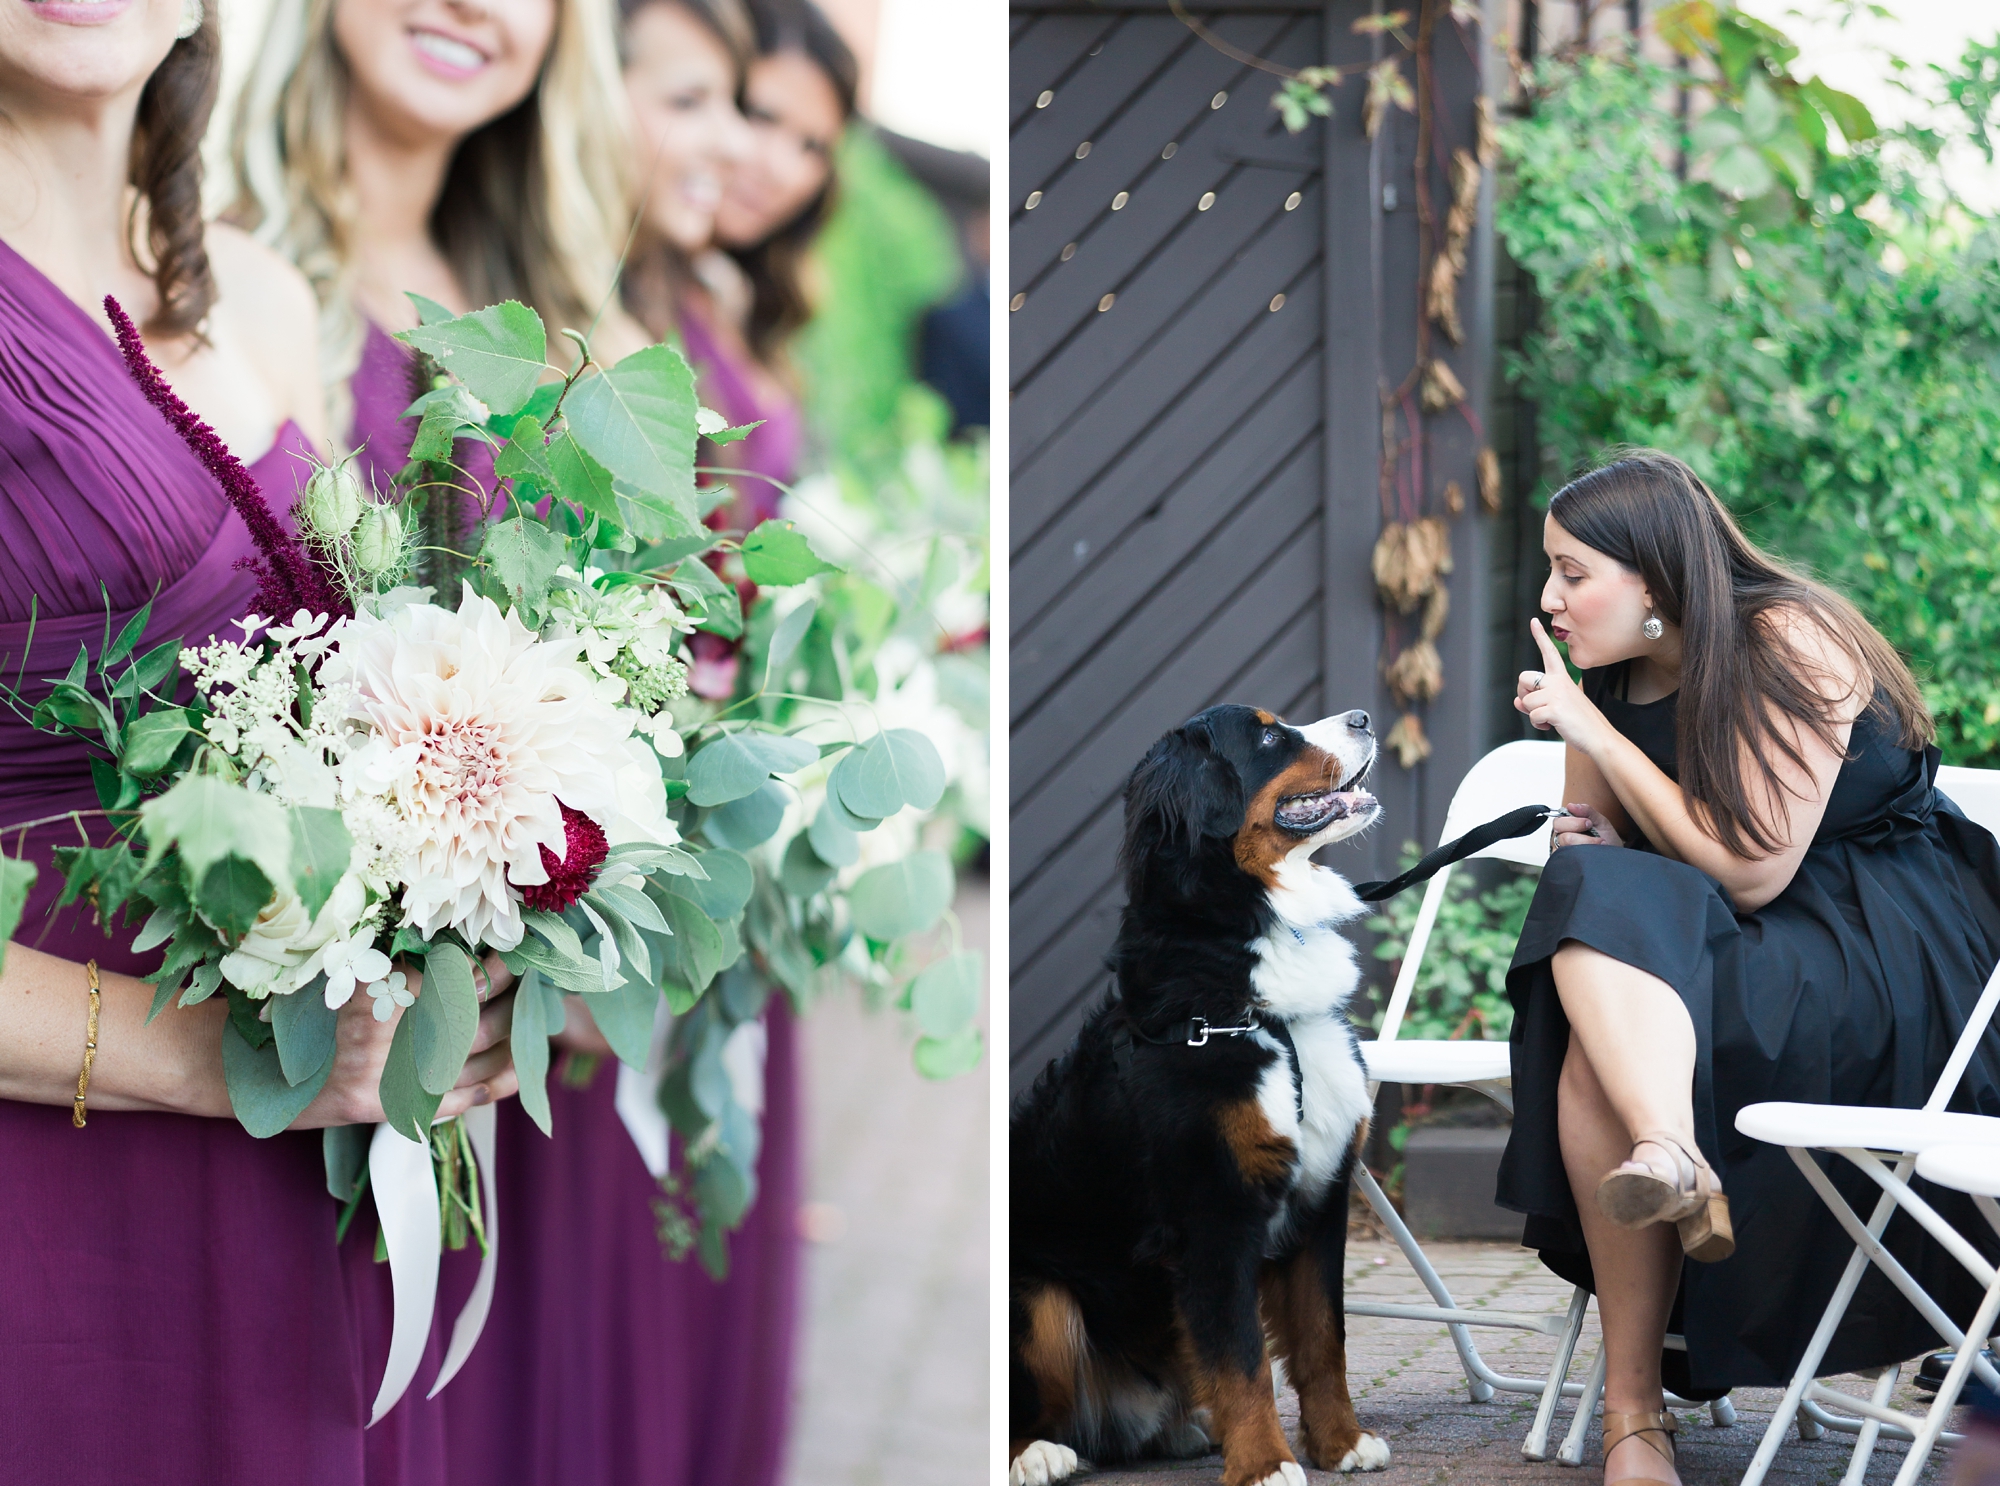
column 406, row 1201
column 482, row 1123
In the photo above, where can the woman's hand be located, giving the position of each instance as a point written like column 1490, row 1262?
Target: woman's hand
column 580, row 1033
column 1549, row 699
column 361, row 1047
column 1585, row 825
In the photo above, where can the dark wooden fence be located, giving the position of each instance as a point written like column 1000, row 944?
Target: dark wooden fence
column 1206, row 310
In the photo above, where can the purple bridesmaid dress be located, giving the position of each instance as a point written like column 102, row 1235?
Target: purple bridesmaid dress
column 173, row 1308
column 602, row 1360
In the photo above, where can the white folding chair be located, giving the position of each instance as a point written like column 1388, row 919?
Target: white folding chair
column 1513, row 775
column 1886, row 1145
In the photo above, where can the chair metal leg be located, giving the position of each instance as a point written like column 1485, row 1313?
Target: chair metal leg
column 1722, row 1413
column 1871, row 1429
column 1468, row 1354
column 1947, row 1394
column 1802, row 1376
column 1536, row 1445
column 1571, row 1452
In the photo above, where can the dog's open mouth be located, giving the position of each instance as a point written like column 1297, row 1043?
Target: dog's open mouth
column 1307, row 814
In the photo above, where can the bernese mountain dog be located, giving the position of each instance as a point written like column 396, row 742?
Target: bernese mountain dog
column 1179, row 1174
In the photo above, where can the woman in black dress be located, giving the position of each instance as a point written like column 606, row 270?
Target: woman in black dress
column 1796, row 914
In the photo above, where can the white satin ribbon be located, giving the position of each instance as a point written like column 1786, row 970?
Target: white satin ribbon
column 406, row 1201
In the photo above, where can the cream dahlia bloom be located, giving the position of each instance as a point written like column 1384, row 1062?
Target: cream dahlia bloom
column 483, row 727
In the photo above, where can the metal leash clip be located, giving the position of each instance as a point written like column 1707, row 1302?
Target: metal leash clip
column 1203, row 1031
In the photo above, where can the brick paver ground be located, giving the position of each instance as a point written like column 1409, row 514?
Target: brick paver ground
column 1408, row 1388
column 892, row 1386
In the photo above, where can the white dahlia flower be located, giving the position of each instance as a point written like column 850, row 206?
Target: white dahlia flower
column 484, row 728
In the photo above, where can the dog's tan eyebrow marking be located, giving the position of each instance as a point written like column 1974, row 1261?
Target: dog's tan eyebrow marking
column 1262, row 1155
column 1267, row 718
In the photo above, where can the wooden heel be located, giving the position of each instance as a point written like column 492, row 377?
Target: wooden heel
column 1706, row 1234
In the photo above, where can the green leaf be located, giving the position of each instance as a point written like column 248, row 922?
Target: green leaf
column 207, row 981
column 344, row 1149
column 637, row 419
column 1849, row 114
column 694, row 953
column 302, row 1025
column 627, row 954
column 156, row 670
column 945, row 995
column 727, row 887
column 112, row 870
column 713, row 603
column 831, row 839
column 17, row 880
column 858, row 825
column 233, row 892
column 785, row 641
column 777, row 554
column 737, row 764
column 529, row 1039
column 208, row 819
column 429, row 311
column 903, row 897
column 892, row 769
column 625, row 1017
column 445, row 1018
column 264, row 1101
column 1742, row 172
column 802, row 873
column 409, row 1107
column 524, row 556
column 581, row 480
column 948, row 1059
column 500, row 352
column 153, row 738
column 322, row 851
column 128, row 638
column 750, row 821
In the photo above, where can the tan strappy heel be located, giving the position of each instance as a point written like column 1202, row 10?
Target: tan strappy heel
column 1695, row 1205
column 1620, row 1427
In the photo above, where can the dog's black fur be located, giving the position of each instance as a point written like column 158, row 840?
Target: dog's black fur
column 1161, row 1219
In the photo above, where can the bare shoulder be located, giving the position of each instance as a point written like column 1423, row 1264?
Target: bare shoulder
column 272, row 314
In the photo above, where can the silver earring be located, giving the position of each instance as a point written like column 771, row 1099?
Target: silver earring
column 190, row 19
column 1652, row 629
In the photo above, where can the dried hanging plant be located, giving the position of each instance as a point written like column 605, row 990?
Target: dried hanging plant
column 1441, row 301
column 1407, row 738
column 1416, row 675
column 1489, row 481
column 1408, row 558
column 1436, row 611
column 1454, row 498
column 1442, row 389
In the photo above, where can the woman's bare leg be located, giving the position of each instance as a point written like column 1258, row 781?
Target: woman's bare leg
column 1630, row 1067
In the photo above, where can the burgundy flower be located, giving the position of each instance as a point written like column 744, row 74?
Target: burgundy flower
column 288, row 580
column 584, row 850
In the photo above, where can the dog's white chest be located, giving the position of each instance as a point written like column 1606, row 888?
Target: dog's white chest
column 1332, row 1086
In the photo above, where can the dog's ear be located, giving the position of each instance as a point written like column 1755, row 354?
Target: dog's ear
column 1184, row 790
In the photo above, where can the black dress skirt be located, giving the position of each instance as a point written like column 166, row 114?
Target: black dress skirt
column 1850, row 987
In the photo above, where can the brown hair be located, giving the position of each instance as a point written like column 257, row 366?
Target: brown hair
column 1653, row 514
column 165, row 170
column 775, row 267
column 657, row 273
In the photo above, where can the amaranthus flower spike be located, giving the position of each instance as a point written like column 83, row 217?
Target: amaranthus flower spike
column 288, row 580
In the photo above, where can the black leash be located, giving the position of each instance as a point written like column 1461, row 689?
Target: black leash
column 1196, row 1031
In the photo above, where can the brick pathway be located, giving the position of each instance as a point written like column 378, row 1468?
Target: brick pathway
column 892, row 1387
column 1408, row 1388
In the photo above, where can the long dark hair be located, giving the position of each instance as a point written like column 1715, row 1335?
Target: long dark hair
column 1654, row 515
column 775, row 267
column 165, row 169
column 658, row 275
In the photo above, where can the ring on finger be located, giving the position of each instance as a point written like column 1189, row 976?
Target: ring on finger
column 1535, row 679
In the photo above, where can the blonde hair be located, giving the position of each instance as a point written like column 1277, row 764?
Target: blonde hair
column 533, row 203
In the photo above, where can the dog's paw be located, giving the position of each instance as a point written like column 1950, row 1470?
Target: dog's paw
column 1045, row 1462
column 1291, row 1473
column 1370, row 1453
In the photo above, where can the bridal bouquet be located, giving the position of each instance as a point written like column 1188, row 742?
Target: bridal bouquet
column 411, row 756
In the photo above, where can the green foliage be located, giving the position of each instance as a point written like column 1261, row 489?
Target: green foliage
column 1461, row 990
column 776, row 553
column 1811, row 323
column 17, row 880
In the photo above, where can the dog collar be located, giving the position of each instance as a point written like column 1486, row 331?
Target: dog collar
column 1195, row 1031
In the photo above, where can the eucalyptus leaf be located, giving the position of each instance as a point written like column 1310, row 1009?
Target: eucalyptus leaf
column 785, row 641
column 802, row 873
column 948, row 1058
column 750, row 821
column 900, row 898
column 633, row 904
column 302, row 1025
column 625, row 1017
column 529, row 1040
column 263, row 1100
column 695, row 950
column 831, row 838
column 945, row 995
column 726, row 887
column 561, row 937
column 737, row 764
column 344, row 1149
column 408, row 1106
column 445, row 1018
column 500, row 352
column 894, row 768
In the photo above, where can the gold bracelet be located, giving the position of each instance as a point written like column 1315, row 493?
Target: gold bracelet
column 76, row 1115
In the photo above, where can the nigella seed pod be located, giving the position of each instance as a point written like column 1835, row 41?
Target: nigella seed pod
column 333, row 500
column 378, row 540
